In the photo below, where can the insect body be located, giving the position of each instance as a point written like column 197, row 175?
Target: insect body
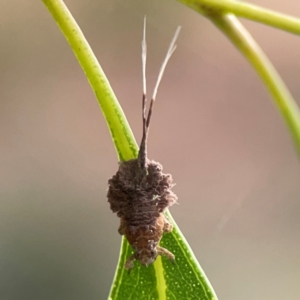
column 140, row 193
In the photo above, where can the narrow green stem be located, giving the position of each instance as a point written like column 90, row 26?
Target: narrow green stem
column 121, row 133
column 248, row 11
column 241, row 38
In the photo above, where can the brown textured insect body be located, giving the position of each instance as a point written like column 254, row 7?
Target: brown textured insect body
column 140, row 193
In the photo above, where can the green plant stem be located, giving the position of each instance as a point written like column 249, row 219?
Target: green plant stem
column 248, row 11
column 241, row 38
column 121, row 133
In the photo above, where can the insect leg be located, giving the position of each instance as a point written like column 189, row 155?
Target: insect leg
column 129, row 264
column 164, row 252
column 167, row 225
column 122, row 227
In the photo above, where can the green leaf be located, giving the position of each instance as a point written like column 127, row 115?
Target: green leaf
column 161, row 280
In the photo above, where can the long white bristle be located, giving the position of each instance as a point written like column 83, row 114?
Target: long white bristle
column 144, row 57
column 171, row 49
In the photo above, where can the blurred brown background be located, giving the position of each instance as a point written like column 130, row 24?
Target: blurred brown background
column 214, row 128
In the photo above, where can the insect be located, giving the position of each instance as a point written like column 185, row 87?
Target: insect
column 139, row 192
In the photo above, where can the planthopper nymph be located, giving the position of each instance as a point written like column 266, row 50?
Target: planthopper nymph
column 140, row 192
